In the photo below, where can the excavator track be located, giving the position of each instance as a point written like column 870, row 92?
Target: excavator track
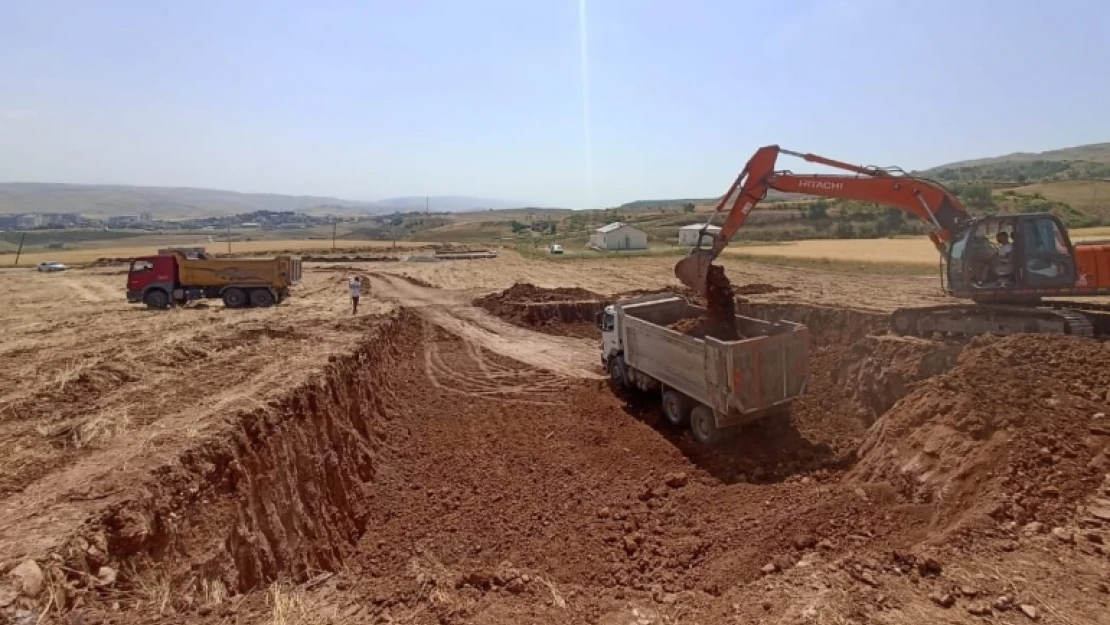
column 975, row 319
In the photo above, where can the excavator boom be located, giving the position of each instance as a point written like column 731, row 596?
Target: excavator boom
column 927, row 200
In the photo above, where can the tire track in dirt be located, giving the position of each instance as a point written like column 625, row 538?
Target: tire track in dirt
column 473, row 376
column 81, row 289
column 569, row 357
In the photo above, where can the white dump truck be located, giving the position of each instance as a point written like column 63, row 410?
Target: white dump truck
column 711, row 384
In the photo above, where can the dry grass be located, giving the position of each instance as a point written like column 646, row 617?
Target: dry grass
column 153, row 588
column 293, row 605
column 1090, row 196
column 909, row 251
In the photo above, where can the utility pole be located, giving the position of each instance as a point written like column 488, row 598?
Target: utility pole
column 427, row 205
column 334, row 225
column 20, row 250
column 229, row 239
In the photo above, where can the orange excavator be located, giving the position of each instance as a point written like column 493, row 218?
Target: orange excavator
column 1013, row 268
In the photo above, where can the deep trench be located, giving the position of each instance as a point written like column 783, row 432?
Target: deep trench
column 288, row 490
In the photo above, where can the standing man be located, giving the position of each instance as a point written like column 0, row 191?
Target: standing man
column 354, row 283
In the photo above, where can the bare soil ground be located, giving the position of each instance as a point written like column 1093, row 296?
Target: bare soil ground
column 430, row 462
column 94, row 390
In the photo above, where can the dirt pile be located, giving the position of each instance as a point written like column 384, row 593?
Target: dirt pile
column 1015, row 432
column 560, row 311
column 526, row 292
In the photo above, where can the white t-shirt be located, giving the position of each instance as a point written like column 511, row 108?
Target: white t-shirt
column 1006, row 249
column 356, row 287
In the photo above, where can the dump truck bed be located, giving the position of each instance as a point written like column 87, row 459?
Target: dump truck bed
column 278, row 273
column 741, row 380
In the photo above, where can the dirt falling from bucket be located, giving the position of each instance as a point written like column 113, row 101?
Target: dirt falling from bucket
column 719, row 321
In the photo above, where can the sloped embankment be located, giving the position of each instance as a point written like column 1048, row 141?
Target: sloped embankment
column 1015, row 431
column 280, row 491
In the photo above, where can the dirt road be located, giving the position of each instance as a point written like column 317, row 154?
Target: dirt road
column 452, row 311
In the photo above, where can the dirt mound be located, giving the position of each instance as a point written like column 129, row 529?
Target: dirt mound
column 1015, row 431
column 526, row 292
column 560, row 311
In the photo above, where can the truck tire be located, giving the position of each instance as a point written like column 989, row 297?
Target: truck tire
column 262, row 298
column 676, row 407
column 235, row 298
column 616, row 372
column 703, row 424
column 156, row 298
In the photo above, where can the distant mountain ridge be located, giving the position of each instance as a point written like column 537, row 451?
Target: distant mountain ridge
column 1091, row 161
column 1093, row 152
column 171, row 202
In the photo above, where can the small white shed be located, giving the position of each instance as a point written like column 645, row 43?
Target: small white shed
column 618, row 236
column 688, row 235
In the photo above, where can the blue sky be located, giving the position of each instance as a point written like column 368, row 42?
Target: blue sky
column 366, row 100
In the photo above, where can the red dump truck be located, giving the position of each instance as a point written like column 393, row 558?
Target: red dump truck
column 177, row 276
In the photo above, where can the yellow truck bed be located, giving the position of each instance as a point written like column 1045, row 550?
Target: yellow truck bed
column 277, row 273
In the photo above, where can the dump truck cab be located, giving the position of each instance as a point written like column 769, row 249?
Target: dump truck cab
column 610, row 335
column 150, row 274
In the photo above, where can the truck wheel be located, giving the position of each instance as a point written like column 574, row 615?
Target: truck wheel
column 235, row 298
column 703, row 424
column 616, row 372
column 262, row 298
column 676, row 407
column 156, row 298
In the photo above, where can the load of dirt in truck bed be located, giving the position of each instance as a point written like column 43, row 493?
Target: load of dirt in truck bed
column 560, row 311
column 1016, row 432
column 719, row 320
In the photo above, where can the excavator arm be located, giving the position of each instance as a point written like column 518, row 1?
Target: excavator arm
column 927, row 200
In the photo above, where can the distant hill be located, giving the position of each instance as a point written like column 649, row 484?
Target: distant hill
column 175, row 202
column 445, row 204
column 1090, row 161
column 165, row 202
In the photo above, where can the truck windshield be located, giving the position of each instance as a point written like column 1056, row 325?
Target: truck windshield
column 139, row 266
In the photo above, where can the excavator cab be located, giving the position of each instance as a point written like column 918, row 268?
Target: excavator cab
column 1000, row 256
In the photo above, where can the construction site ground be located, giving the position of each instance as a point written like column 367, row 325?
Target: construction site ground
column 453, row 454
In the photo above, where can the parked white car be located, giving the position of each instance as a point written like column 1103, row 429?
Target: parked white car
column 556, row 248
column 51, row 265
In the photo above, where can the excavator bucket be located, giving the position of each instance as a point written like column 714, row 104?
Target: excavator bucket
column 694, row 270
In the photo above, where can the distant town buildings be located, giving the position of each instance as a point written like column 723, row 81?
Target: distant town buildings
column 282, row 220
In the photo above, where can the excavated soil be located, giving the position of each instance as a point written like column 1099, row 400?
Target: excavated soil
column 719, row 321
column 559, row 311
column 1016, row 432
column 422, row 479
